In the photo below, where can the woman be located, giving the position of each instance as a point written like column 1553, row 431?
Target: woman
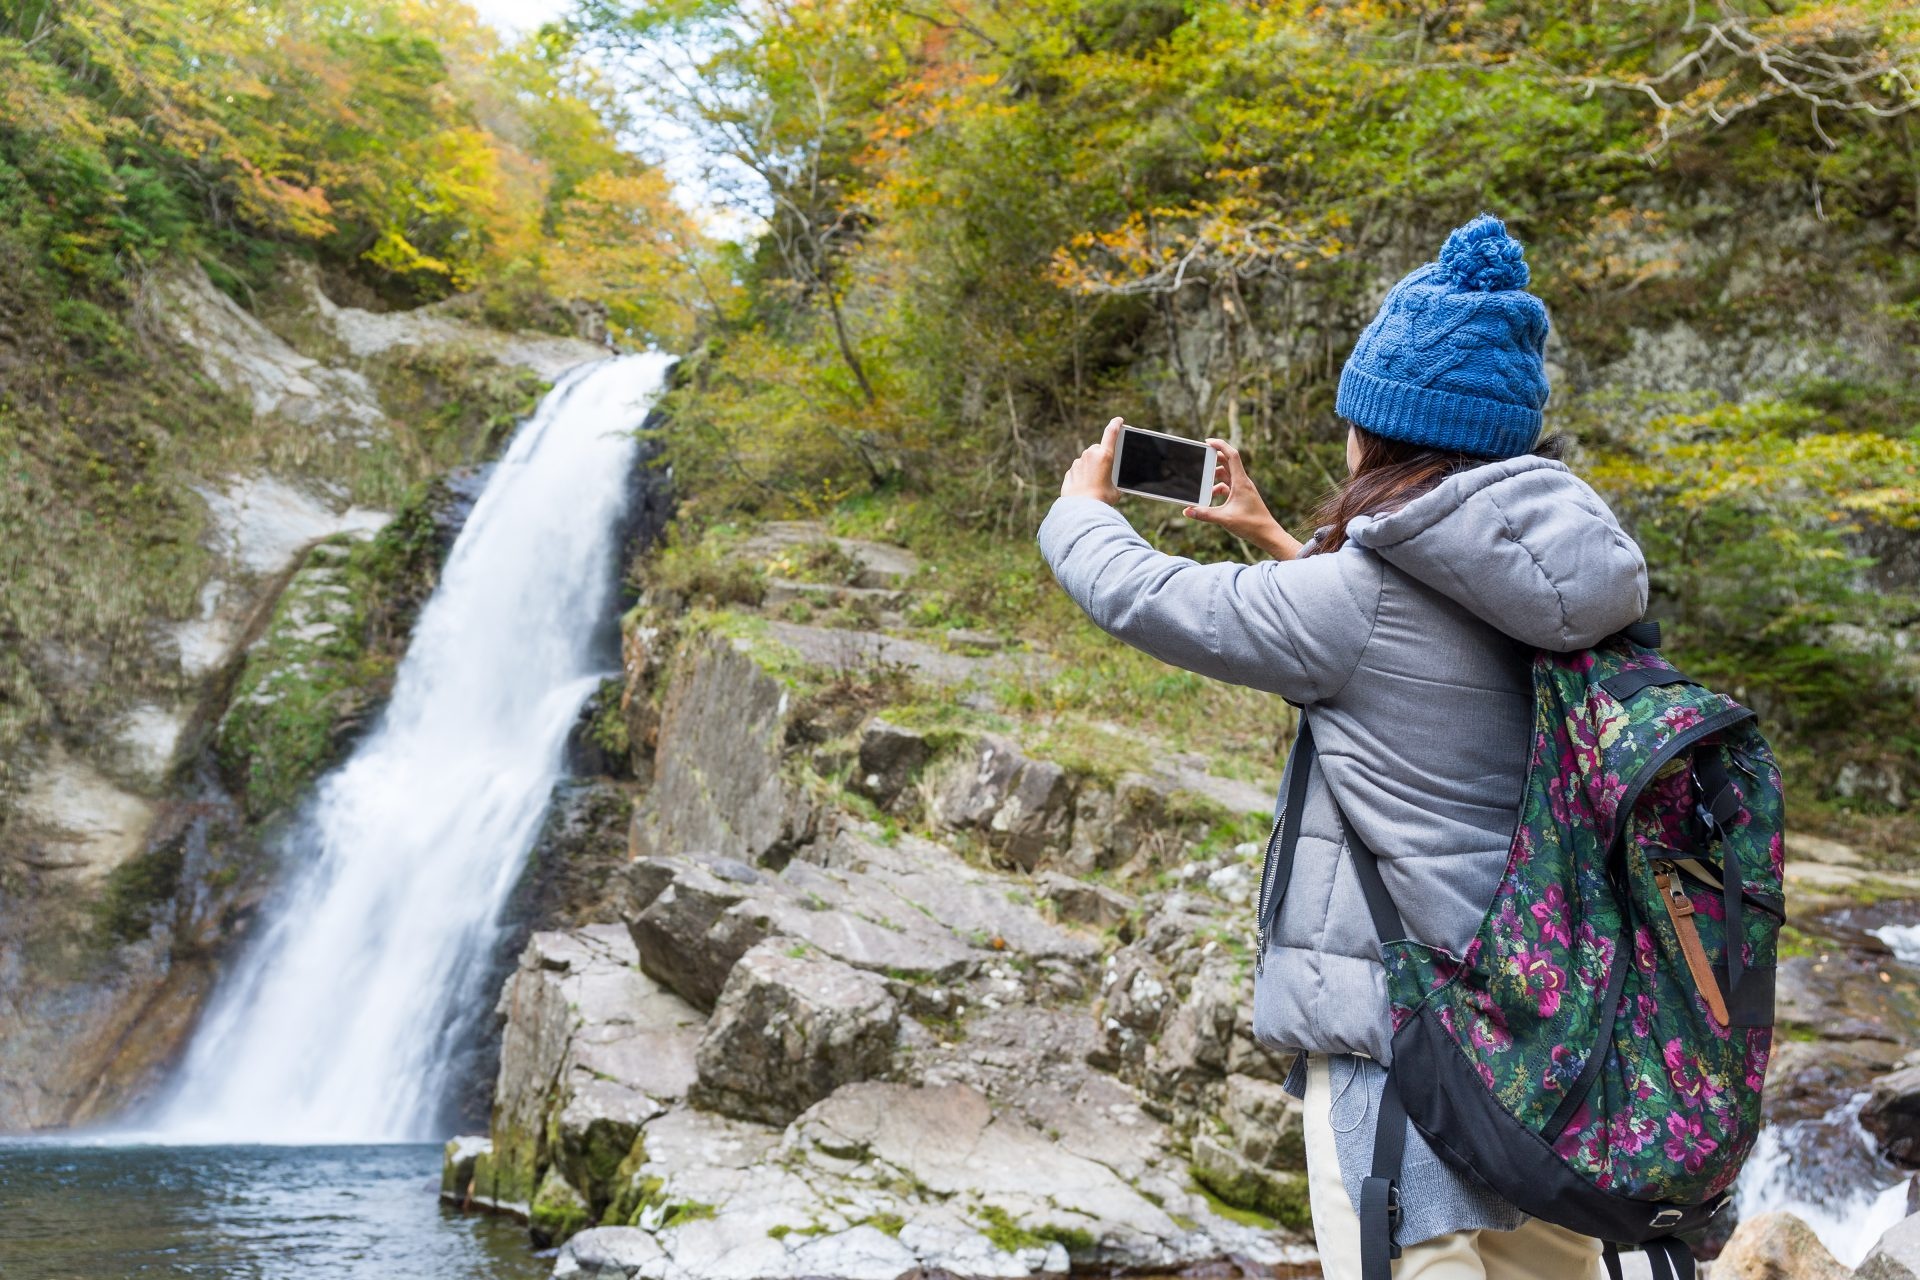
column 1404, row 630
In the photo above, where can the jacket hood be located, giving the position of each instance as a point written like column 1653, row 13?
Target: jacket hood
column 1525, row 545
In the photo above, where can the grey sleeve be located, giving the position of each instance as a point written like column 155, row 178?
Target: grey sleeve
column 1296, row 627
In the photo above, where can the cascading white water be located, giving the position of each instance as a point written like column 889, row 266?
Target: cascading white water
column 1847, row 1219
column 335, row 1025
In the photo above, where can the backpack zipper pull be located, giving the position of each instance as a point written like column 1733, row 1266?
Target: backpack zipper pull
column 1680, row 911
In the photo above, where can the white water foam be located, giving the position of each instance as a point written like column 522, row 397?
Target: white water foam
column 1848, row 1223
column 1903, row 940
column 341, row 1021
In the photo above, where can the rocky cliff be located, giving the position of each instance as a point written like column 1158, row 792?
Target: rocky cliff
column 878, row 987
column 137, row 830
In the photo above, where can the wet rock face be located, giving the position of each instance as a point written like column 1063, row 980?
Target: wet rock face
column 1892, row 1115
column 790, row 1027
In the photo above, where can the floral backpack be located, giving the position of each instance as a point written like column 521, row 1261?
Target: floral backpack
column 1596, row 1055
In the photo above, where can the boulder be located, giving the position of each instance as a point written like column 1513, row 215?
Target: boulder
column 1892, row 1115
column 1085, row 901
column 1776, row 1246
column 1897, row 1254
column 1266, row 1123
column 889, row 759
column 591, row 1049
column 457, row 1165
column 791, row 1026
column 1021, row 808
column 1191, row 1051
column 689, row 936
column 718, row 780
column 912, row 910
column 557, row 1211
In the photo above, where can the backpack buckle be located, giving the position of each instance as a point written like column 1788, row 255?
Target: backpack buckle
column 1667, row 1218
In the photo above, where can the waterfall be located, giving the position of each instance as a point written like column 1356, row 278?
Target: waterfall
column 339, row 1021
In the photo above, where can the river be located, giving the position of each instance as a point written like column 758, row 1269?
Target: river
column 73, row 1211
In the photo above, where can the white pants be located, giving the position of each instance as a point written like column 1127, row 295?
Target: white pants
column 1537, row 1251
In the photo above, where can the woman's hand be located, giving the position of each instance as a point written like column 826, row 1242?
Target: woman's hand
column 1091, row 475
column 1239, row 509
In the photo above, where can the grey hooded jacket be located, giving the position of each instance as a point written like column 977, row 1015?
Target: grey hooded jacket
column 1409, row 648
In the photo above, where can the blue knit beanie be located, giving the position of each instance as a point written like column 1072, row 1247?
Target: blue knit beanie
column 1454, row 359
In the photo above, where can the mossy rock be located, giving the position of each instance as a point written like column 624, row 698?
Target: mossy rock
column 1238, row 1183
column 327, row 657
column 557, row 1211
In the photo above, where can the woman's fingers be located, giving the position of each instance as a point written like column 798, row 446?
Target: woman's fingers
column 1236, row 468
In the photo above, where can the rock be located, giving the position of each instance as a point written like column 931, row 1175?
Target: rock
column 1896, row 1256
column 1776, row 1246
column 242, row 356
column 873, row 564
column 1022, row 808
column 689, row 936
column 838, row 650
column 783, row 592
column 1191, row 1051
column 77, row 823
column 592, row 1048
column 1892, row 1115
column 889, row 758
column 557, row 1210
column 457, row 1165
column 965, row 638
column 1848, row 993
column 595, row 1131
column 1810, row 848
column 790, row 1027
column 574, row 868
column 718, row 781
column 1085, row 901
column 596, row 745
column 1279, row 1194
column 912, row 910
column 1235, row 882
column 1266, row 1123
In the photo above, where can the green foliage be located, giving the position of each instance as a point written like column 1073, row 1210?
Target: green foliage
column 704, row 571
column 1749, row 514
column 988, row 228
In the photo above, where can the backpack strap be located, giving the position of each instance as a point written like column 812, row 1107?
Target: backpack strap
column 1278, row 871
column 1718, row 802
column 1380, row 1189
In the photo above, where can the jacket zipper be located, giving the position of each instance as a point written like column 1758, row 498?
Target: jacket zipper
column 1266, row 890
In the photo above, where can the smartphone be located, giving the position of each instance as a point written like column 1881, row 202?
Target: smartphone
column 1153, row 464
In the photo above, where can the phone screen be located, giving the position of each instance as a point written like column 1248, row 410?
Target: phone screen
column 1162, row 466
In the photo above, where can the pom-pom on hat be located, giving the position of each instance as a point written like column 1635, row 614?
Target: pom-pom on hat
column 1455, row 359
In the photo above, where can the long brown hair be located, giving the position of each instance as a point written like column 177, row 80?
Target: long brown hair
column 1390, row 474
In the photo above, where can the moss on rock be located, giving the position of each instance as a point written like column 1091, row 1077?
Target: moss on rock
column 328, row 654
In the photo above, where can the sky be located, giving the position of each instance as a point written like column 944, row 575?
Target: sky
column 676, row 151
